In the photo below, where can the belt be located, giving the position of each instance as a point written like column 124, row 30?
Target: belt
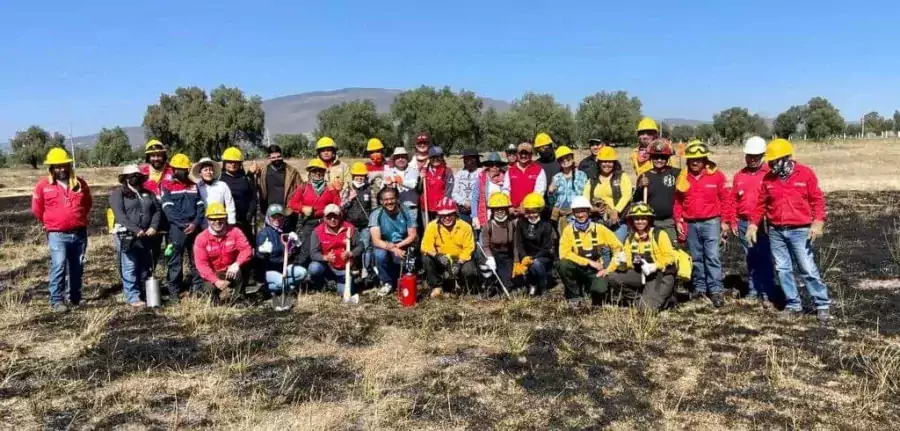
column 787, row 227
column 701, row 220
column 71, row 231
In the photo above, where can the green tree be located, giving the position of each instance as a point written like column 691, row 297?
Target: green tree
column 609, row 116
column 896, row 120
column 201, row 125
column 787, row 122
column 683, row 133
column 3, row 159
column 496, row 130
column 873, row 122
column 853, row 129
column 888, row 124
column 294, row 145
column 351, row 124
column 452, row 119
column 822, row 120
column 705, row 131
column 112, row 148
column 734, row 124
column 31, row 146
column 535, row 113
column 84, row 156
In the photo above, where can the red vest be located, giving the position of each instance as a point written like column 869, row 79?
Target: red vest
column 521, row 183
column 154, row 186
column 435, row 186
column 334, row 243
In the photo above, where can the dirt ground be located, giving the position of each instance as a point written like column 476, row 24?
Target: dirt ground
column 455, row 363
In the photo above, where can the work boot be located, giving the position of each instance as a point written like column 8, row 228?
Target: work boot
column 789, row 314
column 823, row 317
column 718, row 301
column 574, row 303
column 386, row 289
column 697, row 296
column 59, row 307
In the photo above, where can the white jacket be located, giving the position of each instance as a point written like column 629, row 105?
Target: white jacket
column 218, row 191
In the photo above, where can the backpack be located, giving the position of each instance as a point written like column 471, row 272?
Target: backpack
column 683, row 262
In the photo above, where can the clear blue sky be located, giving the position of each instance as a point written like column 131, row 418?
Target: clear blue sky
column 100, row 63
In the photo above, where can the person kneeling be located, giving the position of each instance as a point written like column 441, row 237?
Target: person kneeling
column 647, row 264
column 220, row 251
column 329, row 252
column 534, row 246
column 447, row 248
column 271, row 253
column 498, row 240
column 393, row 231
column 583, row 247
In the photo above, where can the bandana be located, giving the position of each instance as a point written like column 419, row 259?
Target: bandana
column 581, row 226
column 783, row 167
column 318, row 185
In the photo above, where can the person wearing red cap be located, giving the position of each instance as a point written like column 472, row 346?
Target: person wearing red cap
column 447, row 249
column 421, row 146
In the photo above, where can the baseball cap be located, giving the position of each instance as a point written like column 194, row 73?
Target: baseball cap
column 332, row 209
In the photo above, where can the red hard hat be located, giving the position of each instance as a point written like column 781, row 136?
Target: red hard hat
column 446, row 206
column 661, row 147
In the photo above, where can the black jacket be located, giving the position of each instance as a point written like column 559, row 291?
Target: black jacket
column 589, row 166
column 243, row 190
column 135, row 212
column 534, row 240
column 550, row 165
column 359, row 208
column 660, row 193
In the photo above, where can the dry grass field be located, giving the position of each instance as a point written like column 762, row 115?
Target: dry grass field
column 459, row 363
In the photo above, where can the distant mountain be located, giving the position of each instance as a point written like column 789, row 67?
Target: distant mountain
column 683, row 122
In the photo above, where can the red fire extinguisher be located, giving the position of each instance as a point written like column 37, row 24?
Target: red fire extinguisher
column 406, row 290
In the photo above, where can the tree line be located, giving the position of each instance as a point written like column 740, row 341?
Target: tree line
column 200, row 124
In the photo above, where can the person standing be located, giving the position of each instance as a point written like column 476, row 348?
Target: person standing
column 589, row 165
column 437, row 181
column 276, row 182
column 421, row 152
column 242, row 188
column 309, row 202
column 585, row 251
column 793, row 205
column 207, row 172
column 565, row 186
column 545, row 148
column 464, row 182
column 405, row 180
column 184, row 209
column 155, row 167
column 62, row 203
column 337, row 173
column 523, row 178
column 137, row 218
column 393, row 231
column 647, row 133
column 703, row 208
column 376, row 164
column 658, row 185
column 745, row 194
column 511, row 154
column 219, row 252
column 490, row 181
column 610, row 193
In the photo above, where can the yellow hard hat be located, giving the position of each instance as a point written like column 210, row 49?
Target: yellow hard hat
column 533, row 201
column 607, row 154
column 359, row 168
column 647, row 123
column 374, row 144
column 180, row 161
column 563, row 151
column 154, row 146
column 542, row 140
column 216, row 210
column 499, row 200
column 640, row 209
column 324, row 143
column 696, row 150
column 233, row 154
column 316, row 163
column 57, row 156
column 777, row 149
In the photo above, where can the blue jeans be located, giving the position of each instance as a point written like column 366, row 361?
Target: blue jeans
column 135, row 265
column 760, row 268
column 620, row 230
column 388, row 267
column 703, row 243
column 365, row 238
column 539, row 273
column 66, row 253
column 790, row 246
column 320, row 272
column 295, row 274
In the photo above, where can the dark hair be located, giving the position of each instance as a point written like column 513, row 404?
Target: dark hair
column 274, row 149
column 387, row 190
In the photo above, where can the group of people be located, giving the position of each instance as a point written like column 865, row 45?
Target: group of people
column 497, row 224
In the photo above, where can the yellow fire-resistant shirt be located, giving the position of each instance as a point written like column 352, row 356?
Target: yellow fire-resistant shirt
column 458, row 243
column 596, row 235
column 604, row 191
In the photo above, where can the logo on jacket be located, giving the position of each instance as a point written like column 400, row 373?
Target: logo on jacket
column 669, row 180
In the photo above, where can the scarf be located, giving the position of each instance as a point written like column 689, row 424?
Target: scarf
column 581, row 226
column 318, row 186
column 683, row 185
column 783, row 167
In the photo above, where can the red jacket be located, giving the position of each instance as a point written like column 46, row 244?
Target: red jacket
column 373, row 168
column 437, row 184
column 60, row 209
column 706, row 197
column 796, row 201
column 745, row 191
column 154, row 185
column 306, row 196
column 329, row 242
column 522, row 182
column 213, row 254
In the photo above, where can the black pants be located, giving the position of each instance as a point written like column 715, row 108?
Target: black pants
column 654, row 295
column 304, row 231
column 579, row 280
column 504, row 269
column 181, row 244
column 434, row 272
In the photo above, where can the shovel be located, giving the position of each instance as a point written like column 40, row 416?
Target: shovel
column 284, row 301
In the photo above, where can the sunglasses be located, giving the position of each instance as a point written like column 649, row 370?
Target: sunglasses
column 216, row 221
column 524, row 153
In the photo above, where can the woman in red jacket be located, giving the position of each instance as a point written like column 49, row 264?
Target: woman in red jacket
column 309, row 201
column 219, row 253
column 702, row 210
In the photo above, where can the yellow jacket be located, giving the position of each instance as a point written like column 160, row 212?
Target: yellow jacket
column 642, row 168
column 458, row 243
column 604, row 192
column 660, row 249
column 594, row 233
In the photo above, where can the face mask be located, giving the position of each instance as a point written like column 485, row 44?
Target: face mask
column 782, row 167
column 359, row 183
column 278, row 163
column 181, row 176
column 61, row 176
column 533, row 218
column 501, row 216
column 135, row 181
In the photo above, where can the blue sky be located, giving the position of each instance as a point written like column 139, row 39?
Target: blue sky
column 100, row 63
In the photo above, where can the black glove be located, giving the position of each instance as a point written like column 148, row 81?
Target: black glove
column 444, row 260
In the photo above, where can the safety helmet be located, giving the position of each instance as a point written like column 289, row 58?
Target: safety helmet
column 542, row 140
column 446, row 206
column 359, row 168
column 57, row 156
column 607, row 154
column 233, row 154
column 316, row 164
column 325, row 143
column 180, row 161
column 777, row 149
column 696, row 150
column 580, row 202
column 563, row 151
column 216, row 210
column 533, row 201
column 499, row 200
column 274, row 209
column 647, row 123
column 374, row 144
column 640, row 209
column 755, row 145
column 661, row 148
column 154, row 146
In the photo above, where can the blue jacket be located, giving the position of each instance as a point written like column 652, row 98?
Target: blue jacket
column 270, row 261
column 182, row 204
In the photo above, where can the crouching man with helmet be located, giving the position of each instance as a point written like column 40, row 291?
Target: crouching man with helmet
column 585, row 251
column 447, row 249
column 220, row 251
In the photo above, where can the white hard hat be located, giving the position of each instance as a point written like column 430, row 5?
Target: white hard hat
column 755, row 145
column 581, row 202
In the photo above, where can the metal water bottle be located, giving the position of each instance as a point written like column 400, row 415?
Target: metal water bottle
column 151, row 288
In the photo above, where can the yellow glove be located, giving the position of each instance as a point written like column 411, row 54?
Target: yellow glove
column 750, row 236
column 527, row 261
column 815, row 231
column 519, row 269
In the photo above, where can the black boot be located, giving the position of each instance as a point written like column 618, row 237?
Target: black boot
column 717, row 299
